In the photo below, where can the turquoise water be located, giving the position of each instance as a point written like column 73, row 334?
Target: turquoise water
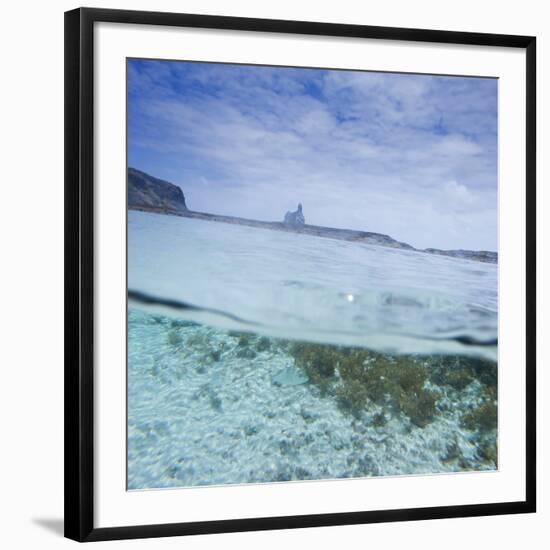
column 303, row 358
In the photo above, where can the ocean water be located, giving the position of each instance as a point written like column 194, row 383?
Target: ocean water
column 262, row 356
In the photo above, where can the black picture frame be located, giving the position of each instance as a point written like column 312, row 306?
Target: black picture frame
column 79, row 272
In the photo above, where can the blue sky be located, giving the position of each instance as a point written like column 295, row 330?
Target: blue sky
column 412, row 156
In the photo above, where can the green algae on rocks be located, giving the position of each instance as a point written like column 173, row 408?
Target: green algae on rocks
column 406, row 384
column 356, row 376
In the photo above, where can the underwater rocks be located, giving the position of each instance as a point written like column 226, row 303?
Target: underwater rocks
column 419, row 388
column 356, row 377
column 291, row 376
column 200, row 419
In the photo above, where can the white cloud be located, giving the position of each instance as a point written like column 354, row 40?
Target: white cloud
column 457, row 193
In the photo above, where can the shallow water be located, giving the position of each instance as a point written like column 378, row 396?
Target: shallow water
column 313, row 288
column 303, row 358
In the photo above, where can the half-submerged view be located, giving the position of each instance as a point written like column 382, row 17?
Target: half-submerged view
column 312, row 274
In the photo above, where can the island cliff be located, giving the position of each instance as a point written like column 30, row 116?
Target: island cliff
column 150, row 194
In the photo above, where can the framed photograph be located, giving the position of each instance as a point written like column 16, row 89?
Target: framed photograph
column 300, row 274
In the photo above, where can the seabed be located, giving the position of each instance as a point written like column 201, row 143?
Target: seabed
column 212, row 407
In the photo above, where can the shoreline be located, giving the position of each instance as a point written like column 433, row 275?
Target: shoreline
column 350, row 235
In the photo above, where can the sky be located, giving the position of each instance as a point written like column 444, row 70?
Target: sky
column 410, row 156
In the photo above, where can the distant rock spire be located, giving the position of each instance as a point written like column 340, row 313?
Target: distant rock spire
column 295, row 218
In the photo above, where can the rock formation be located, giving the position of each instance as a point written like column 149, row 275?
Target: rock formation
column 148, row 193
column 295, row 218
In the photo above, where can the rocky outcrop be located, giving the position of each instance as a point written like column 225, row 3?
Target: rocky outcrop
column 295, row 218
column 477, row 255
column 148, row 193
